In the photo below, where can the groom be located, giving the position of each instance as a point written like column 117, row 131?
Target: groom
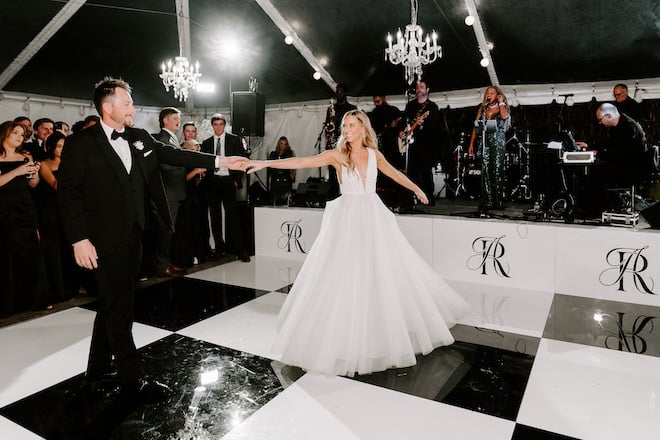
column 109, row 172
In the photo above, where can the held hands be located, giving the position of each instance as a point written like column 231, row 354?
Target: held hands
column 237, row 163
column 256, row 165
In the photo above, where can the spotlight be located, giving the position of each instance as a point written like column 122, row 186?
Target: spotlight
column 317, row 75
column 204, row 87
column 484, row 62
column 469, row 20
column 288, row 39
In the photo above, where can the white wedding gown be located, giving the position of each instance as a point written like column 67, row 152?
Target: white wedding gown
column 364, row 300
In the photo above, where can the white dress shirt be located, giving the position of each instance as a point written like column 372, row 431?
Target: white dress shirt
column 121, row 147
column 220, row 151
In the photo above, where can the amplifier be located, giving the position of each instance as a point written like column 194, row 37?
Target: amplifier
column 578, row 157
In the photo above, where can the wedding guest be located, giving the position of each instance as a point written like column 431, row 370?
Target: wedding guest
column 23, row 284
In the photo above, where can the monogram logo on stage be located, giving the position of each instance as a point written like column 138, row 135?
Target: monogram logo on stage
column 291, row 237
column 627, row 264
column 489, row 253
column 624, row 339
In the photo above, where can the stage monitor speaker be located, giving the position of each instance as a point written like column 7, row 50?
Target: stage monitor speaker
column 314, row 193
column 652, row 215
column 247, row 113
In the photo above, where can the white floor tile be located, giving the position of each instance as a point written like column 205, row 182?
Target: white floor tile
column 321, row 407
column 264, row 273
column 250, row 327
column 10, row 430
column 520, row 311
column 592, row 393
column 50, row 349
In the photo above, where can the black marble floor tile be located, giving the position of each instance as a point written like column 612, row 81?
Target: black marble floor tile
column 523, row 432
column 476, row 377
column 285, row 289
column 180, row 302
column 632, row 328
column 517, row 343
column 213, row 390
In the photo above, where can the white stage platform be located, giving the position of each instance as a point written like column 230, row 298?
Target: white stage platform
column 619, row 264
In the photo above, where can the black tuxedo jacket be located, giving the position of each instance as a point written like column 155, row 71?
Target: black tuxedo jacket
column 233, row 147
column 174, row 177
column 94, row 189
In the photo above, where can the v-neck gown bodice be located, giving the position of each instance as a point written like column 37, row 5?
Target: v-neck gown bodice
column 364, row 300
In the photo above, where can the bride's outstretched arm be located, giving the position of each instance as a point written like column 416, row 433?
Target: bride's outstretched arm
column 386, row 168
column 330, row 157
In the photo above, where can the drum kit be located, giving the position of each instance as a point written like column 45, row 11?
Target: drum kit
column 518, row 158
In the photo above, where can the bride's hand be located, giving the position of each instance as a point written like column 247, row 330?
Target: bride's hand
column 422, row 197
column 256, row 165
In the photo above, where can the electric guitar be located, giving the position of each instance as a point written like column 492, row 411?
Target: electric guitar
column 408, row 138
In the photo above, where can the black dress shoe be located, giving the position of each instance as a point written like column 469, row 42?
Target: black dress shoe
column 169, row 272
column 217, row 255
column 244, row 257
column 104, row 385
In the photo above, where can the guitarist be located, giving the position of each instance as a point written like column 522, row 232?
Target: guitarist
column 422, row 128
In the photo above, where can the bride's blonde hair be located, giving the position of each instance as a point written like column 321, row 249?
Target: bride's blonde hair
column 369, row 139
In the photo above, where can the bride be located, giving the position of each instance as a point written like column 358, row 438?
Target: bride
column 364, row 300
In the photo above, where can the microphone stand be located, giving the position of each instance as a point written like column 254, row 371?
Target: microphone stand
column 481, row 123
column 317, row 146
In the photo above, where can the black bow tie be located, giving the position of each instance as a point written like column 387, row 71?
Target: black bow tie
column 115, row 134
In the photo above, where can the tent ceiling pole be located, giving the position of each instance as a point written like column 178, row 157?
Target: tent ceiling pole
column 481, row 40
column 287, row 30
column 67, row 11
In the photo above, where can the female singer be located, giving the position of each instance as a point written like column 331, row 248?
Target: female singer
column 492, row 151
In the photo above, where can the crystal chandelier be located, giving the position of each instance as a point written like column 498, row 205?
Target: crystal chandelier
column 412, row 50
column 180, row 76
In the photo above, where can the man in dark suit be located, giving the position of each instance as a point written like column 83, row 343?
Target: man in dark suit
column 43, row 128
column 109, row 172
column 174, row 180
column 221, row 188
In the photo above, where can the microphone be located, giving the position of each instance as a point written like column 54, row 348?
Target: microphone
column 487, row 103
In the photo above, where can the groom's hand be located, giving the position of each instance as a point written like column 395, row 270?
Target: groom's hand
column 237, row 163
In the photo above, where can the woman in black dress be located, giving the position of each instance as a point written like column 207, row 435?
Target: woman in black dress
column 23, row 284
column 281, row 181
column 60, row 268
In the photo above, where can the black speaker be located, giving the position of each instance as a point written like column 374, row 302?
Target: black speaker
column 311, row 193
column 652, row 215
column 247, row 113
